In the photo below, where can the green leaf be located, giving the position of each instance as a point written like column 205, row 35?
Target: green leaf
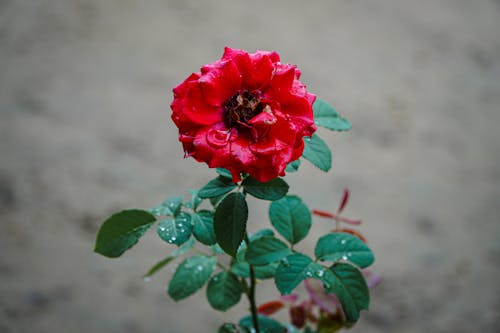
column 291, row 218
column 224, row 291
column 230, row 222
column 326, row 116
column 351, row 290
column 261, row 272
column 293, row 166
column 162, row 263
column 271, row 190
column 291, row 272
column 231, row 328
column 317, row 152
column 266, row 325
column 175, row 230
column 265, row 250
column 216, row 187
column 170, row 207
column 240, row 255
column 224, row 173
column 203, row 228
column 190, row 276
column 343, row 246
column 122, row 231
column 195, row 200
column 297, row 267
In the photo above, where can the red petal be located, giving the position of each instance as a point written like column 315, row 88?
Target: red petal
column 219, row 81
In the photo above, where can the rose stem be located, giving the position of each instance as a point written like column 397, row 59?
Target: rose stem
column 251, row 294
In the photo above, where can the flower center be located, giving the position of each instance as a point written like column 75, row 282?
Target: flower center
column 240, row 108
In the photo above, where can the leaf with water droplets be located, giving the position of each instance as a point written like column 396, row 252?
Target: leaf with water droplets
column 291, row 272
column 203, row 227
column 343, row 246
column 297, row 267
column 291, row 218
column 224, row 291
column 232, row 328
column 190, row 276
column 351, row 290
column 217, row 187
column 326, row 116
column 317, row 152
column 169, row 207
column 175, row 230
column 122, row 231
column 230, row 221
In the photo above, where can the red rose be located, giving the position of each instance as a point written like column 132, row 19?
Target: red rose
column 246, row 113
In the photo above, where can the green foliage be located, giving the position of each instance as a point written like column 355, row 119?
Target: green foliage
column 217, row 187
column 271, row 190
column 293, row 166
column 297, row 267
column 317, row 152
column 224, row 291
column 266, row 250
column 122, row 231
column 190, row 276
column 230, row 222
column 351, row 290
column 232, row 328
column 175, row 230
column 203, row 227
column 343, row 246
column 261, row 272
column 326, row 116
column 164, row 262
column 266, row 325
column 224, row 172
column 291, row 218
column 194, row 201
column 169, row 207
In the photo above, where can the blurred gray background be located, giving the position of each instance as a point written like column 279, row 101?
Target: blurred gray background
column 85, row 130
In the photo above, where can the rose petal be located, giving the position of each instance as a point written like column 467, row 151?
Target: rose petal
column 219, row 81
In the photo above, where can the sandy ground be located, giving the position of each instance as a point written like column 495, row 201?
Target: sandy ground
column 85, row 131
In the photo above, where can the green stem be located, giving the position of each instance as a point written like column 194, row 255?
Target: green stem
column 251, row 294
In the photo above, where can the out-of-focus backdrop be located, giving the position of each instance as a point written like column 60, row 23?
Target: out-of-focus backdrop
column 85, row 130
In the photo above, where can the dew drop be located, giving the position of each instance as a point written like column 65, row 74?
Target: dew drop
column 343, row 242
column 147, row 279
column 320, row 273
column 344, row 257
column 285, row 262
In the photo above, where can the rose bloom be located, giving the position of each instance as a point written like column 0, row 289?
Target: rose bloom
column 246, row 112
